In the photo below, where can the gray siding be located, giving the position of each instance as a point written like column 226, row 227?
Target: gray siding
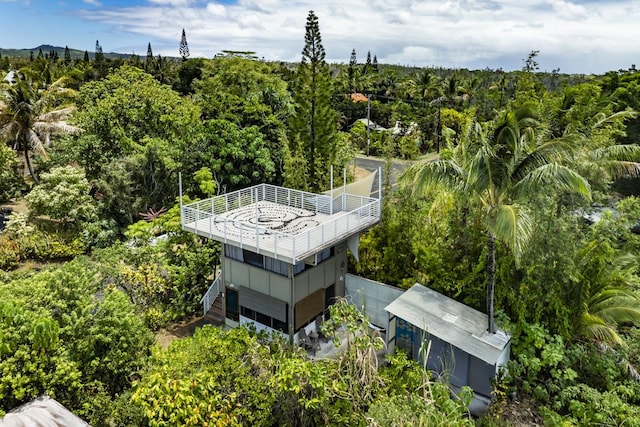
column 325, row 274
column 258, row 279
column 371, row 297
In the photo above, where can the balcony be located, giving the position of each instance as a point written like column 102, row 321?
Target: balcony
column 282, row 223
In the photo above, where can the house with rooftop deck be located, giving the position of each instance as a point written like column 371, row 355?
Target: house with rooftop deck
column 284, row 255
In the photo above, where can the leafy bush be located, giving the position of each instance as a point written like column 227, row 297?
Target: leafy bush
column 219, row 377
column 540, row 366
column 21, row 241
column 408, row 147
column 57, row 338
column 585, row 405
column 63, row 195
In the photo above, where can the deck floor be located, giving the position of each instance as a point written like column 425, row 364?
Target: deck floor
column 278, row 230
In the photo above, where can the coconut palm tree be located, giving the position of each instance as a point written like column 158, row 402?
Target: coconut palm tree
column 28, row 118
column 496, row 169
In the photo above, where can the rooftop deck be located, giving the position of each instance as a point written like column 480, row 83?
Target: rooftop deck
column 282, row 223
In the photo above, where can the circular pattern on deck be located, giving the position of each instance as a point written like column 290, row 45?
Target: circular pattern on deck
column 267, row 217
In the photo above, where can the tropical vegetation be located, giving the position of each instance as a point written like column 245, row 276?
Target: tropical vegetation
column 522, row 202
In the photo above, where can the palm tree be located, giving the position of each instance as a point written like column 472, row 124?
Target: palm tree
column 604, row 295
column 27, row 120
column 599, row 156
column 496, row 169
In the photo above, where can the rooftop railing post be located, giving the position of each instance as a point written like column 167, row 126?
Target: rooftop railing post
column 331, row 192
column 275, row 246
column 379, row 183
column 257, row 222
column 180, row 187
column 344, row 191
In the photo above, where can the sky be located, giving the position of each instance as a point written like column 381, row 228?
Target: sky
column 574, row 36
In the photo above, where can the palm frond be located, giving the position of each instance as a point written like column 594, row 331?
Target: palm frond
column 425, row 175
column 553, row 176
column 616, row 152
column 621, row 169
column 513, row 226
column 35, row 142
column 55, row 128
column 619, row 314
column 594, row 328
column 551, row 151
column 602, row 118
column 56, row 115
column 487, row 170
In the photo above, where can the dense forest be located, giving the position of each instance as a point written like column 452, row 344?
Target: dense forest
column 521, row 201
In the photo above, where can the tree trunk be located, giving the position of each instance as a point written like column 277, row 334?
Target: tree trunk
column 491, row 281
column 29, row 166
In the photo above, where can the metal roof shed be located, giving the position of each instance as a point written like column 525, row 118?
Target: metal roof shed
column 460, row 345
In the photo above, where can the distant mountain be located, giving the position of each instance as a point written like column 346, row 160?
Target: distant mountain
column 47, row 48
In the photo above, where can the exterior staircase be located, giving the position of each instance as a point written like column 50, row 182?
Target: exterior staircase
column 215, row 314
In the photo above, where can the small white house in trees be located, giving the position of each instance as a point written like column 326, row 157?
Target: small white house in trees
column 284, row 255
column 460, row 346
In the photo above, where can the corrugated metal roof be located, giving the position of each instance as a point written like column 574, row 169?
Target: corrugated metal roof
column 451, row 321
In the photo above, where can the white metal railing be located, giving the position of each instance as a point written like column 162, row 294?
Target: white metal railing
column 212, row 293
column 349, row 213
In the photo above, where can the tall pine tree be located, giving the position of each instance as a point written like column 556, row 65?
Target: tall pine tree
column 148, row 65
column 353, row 64
column 100, row 65
column 184, row 47
column 367, row 65
column 67, row 55
column 314, row 122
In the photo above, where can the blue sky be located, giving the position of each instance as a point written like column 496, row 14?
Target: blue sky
column 576, row 36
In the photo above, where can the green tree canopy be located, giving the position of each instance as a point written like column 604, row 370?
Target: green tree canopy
column 127, row 106
column 247, row 93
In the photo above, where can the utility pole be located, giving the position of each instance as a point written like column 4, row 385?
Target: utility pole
column 368, row 120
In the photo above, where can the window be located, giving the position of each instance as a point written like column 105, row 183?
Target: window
column 247, row 312
column 253, row 258
column 233, row 252
column 271, row 322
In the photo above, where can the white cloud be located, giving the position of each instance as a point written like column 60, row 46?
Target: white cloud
column 93, row 2
column 216, row 10
column 451, row 33
column 568, row 10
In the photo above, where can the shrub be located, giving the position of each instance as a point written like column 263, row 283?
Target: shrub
column 63, row 195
